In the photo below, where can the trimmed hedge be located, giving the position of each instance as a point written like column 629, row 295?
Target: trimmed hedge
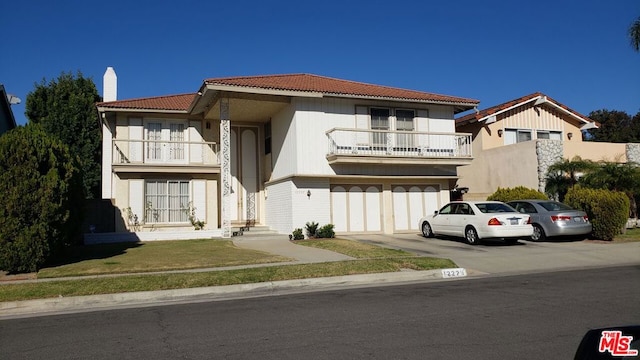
column 607, row 210
column 516, row 193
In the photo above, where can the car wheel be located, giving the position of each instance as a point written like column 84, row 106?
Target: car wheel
column 426, row 230
column 538, row 233
column 471, row 235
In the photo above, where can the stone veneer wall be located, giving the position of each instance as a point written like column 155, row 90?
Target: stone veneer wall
column 633, row 153
column 548, row 153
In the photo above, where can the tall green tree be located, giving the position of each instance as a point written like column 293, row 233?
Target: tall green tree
column 39, row 190
column 634, row 34
column 65, row 107
column 615, row 126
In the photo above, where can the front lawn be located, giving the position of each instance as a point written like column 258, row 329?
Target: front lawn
column 122, row 259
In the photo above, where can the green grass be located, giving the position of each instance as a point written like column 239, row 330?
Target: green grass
column 354, row 249
column 123, row 258
column 630, row 235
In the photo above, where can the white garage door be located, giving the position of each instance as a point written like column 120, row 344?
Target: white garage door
column 410, row 203
column 355, row 208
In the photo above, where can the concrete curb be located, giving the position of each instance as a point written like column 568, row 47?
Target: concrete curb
column 62, row 305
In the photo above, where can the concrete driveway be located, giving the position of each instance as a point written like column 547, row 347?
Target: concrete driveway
column 525, row 256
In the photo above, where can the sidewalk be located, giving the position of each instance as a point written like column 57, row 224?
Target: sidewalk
column 275, row 244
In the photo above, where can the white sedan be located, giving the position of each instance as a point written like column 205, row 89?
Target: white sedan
column 477, row 220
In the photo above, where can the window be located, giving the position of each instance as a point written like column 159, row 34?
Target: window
column 379, row 121
column 552, row 135
column 513, row 136
column 165, row 141
column 176, row 138
column 153, row 135
column 404, row 122
column 267, row 138
column 167, row 201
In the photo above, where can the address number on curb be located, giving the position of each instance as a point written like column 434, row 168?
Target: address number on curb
column 454, row 273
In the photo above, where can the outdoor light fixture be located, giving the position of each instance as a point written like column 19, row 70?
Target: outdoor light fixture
column 570, row 135
column 309, row 194
column 500, row 132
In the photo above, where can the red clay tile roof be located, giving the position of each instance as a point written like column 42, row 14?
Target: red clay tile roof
column 326, row 85
column 474, row 117
column 171, row 102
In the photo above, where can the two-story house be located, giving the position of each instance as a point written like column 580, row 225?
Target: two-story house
column 514, row 144
column 281, row 151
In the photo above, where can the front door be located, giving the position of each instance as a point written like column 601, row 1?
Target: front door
column 244, row 175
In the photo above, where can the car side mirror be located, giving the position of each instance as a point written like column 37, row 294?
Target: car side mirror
column 435, row 212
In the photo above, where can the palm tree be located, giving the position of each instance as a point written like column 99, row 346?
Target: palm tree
column 634, row 34
column 563, row 175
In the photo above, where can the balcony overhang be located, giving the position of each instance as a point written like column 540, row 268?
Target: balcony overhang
column 166, row 168
column 396, row 160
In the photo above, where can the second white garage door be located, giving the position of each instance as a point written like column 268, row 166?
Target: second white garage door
column 410, row 203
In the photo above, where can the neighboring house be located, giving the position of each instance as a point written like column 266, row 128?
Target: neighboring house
column 515, row 143
column 7, row 121
column 281, row 151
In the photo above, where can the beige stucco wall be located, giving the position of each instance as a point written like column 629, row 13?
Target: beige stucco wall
column 595, row 151
column 506, row 166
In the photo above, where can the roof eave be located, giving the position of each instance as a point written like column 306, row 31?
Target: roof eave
column 141, row 110
column 263, row 91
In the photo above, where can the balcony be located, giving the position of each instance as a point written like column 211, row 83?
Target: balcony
column 398, row 147
column 165, row 156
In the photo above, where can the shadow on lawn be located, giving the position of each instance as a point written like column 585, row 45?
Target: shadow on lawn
column 80, row 253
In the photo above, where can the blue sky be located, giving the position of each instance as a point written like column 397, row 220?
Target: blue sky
column 576, row 51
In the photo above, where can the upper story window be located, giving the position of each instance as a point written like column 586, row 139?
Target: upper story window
column 164, row 140
column 379, row 121
column 512, row 136
column 404, row 120
column 267, row 138
column 551, row 135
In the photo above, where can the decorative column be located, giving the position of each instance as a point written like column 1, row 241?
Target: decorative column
column 225, row 167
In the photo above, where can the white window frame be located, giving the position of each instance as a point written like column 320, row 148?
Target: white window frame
column 163, row 205
column 549, row 133
column 405, row 141
column 379, row 138
column 171, row 146
column 509, row 138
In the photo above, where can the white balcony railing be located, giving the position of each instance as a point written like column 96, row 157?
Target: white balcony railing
column 358, row 142
column 159, row 152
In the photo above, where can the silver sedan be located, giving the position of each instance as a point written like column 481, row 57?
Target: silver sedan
column 551, row 218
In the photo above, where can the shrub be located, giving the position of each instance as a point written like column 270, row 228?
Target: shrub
column 297, row 234
column 41, row 194
column 607, row 210
column 516, row 193
column 311, row 228
column 326, row 232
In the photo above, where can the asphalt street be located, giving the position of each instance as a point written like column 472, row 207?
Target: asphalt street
column 529, row 316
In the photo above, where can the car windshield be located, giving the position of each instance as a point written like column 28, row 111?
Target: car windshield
column 494, row 207
column 554, row 206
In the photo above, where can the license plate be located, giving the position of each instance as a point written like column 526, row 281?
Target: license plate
column 578, row 219
column 514, row 222
column 453, row 273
